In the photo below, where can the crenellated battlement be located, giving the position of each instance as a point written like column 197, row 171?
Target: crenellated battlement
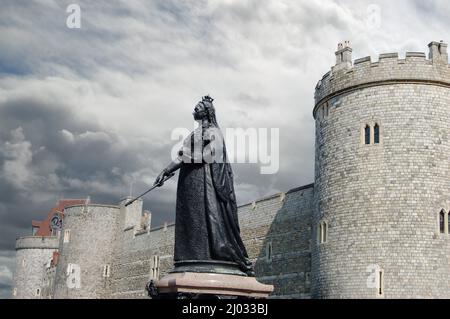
column 389, row 69
column 37, row 242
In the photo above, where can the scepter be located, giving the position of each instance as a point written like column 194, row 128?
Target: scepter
column 153, row 187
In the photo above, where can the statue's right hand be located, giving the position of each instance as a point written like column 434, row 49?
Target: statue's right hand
column 160, row 179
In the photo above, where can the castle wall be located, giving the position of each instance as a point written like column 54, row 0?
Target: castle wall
column 276, row 232
column 32, row 253
column 381, row 201
column 143, row 256
column 283, row 220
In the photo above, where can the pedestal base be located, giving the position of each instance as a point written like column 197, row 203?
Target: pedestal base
column 210, row 285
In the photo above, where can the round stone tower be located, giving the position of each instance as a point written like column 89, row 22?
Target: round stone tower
column 86, row 251
column 382, row 177
column 32, row 254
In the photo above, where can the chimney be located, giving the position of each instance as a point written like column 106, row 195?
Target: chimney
column 438, row 52
column 343, row 56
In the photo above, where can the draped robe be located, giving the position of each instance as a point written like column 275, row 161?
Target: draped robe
column 207, row 226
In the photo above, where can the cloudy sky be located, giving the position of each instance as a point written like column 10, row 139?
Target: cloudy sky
column 88, row 111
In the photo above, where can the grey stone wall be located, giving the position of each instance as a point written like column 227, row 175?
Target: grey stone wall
column 282, row 219
column 133, row 263
column 32, row 253
column 282, row 224
column 381, row 202
column 93, row 234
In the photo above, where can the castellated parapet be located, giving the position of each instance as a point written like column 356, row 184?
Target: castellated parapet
column 346, row 77
column 382, row 178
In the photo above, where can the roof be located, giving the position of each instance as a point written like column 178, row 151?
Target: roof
column 43, row 227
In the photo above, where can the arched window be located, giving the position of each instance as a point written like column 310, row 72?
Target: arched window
column 442, row 222
column 448, row 221
column 367, row 134
column 376, row 134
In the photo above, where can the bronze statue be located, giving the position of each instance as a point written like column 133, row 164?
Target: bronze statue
column 207, row 234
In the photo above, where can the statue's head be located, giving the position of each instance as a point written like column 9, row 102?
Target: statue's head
column 204, row 110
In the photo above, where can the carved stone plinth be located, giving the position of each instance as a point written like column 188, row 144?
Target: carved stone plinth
column 190, row 285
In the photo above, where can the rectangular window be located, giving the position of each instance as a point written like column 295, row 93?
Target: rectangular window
column 106, row 271
column 70, row 269
column 66, row 235
column 269, row 251
column 319, row 233
column 154, row 272
column 447, row 230
column 380, row 283
column 367, row 134
column 323, row 232
column 442, row 222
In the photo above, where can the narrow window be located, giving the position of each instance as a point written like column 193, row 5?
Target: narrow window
column 307, row 280
column 442, row 222
column 154, row 273
column 66, row 235
column 324, row 232
column 376, row 133
column 106, row 271
column 269, row 251
column 380, row 283
column 448, row 222
column 38, row 292
column 319, row 233
column 367, row 134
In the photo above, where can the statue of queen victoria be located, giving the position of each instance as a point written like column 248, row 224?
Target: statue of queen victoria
column 207, row 234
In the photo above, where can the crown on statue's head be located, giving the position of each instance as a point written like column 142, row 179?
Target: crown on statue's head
column 207, row 98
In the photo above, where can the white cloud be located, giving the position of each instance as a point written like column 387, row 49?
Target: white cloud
column 5, row 275
column 18, row 157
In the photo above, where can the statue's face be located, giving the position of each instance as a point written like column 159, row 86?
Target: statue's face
column 199, row 111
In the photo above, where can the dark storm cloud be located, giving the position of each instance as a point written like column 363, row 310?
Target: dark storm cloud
column 48, row 151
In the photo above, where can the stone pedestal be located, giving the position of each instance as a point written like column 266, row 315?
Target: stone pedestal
column 193, row 285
